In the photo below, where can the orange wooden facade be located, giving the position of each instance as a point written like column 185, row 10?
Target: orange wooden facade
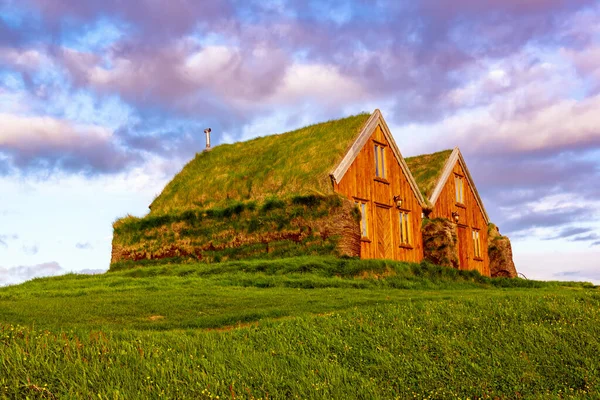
column 470, row 219
column 360, row 183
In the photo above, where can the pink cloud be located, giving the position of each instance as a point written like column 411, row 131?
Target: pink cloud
column 517, row 7
column 45, row 142
column 564, row 124
column 563, row 266
column 587, row 63
column 22, row 59
column 18, row 274
column 154, row 17
column 187, row 76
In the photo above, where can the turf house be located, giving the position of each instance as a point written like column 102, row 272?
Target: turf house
column 337, row 188
column 458, row 231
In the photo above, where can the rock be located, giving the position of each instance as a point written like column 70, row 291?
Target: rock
column 440, row 242
column 500, row 254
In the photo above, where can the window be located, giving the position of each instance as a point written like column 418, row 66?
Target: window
column 476, row 244
column 379, row 161
column 362, row 206
column 405, row 231
column 459, row 187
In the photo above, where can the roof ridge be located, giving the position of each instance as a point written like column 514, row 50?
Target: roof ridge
column 428, row 154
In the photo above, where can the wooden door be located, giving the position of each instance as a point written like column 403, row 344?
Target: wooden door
column 463, row 248
column 383, row 227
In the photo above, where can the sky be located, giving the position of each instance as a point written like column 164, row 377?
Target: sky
column 101, row 103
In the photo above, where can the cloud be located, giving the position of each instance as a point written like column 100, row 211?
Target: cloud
column 230, row 84
column 224, row 60
column 182, row 76
column 84, row 246
column 587, row 63
column 244, row 66
column 31, row 250
column 4, row 239
column 542, row 173
column 153, row 19
column 586, row 238
column 579, row 274
column 568, row 232
column 15, row 275
column 507, row 7
column 23, row 59
column 552, row 265
column 531, row 218
column 92, row 271
column 541, row 126
column 45, row 143
column 563, row 125
column 552, row 192
column 325, row 82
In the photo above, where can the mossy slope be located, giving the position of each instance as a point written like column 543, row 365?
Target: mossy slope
column 301, row 225
column 427, row 169
column 294, row 163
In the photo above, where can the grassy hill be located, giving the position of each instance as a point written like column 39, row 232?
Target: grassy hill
column 283, row 165
column 306, row 327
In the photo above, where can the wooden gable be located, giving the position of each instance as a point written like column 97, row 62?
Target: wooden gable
column 472, row 217
column 356, row 178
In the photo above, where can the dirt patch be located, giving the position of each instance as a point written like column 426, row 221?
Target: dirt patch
column 156, row 317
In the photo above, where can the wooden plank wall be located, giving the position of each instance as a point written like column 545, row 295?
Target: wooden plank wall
column 470, row 217
column 359, row 183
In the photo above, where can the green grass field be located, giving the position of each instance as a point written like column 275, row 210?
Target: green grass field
column 309, row 327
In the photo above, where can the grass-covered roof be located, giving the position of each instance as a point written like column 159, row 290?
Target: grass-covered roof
column 427, row 169
column 292, row 163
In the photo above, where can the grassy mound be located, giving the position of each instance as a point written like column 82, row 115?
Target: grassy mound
column 294, row 163
column 307, row 327
column 313, row 225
